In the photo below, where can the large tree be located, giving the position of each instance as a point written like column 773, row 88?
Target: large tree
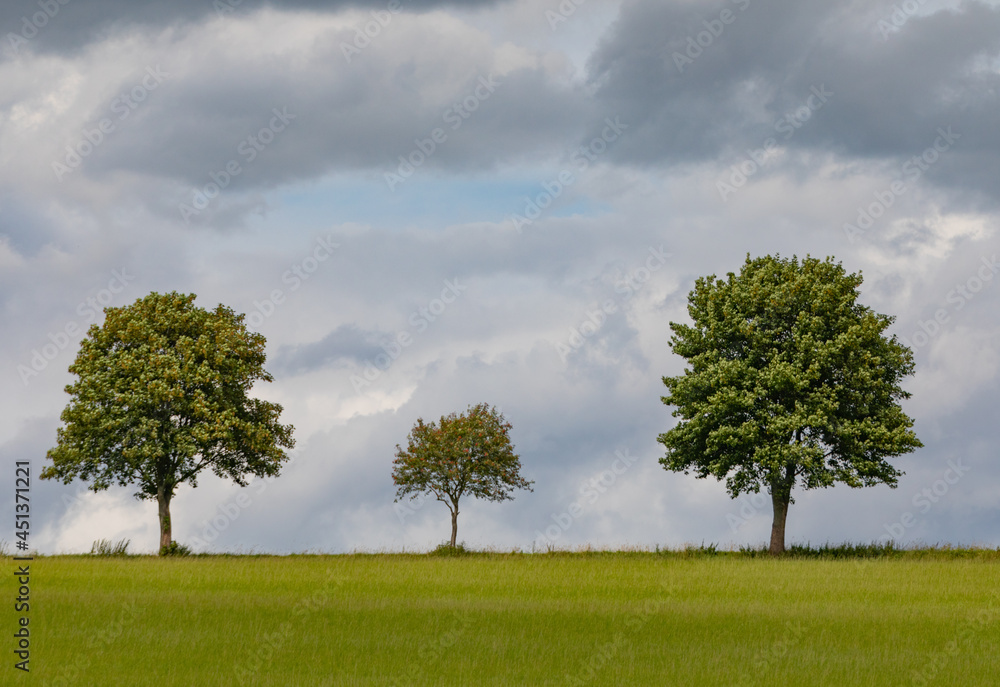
column 162, row 394
column 790, row 382
column 462, row 454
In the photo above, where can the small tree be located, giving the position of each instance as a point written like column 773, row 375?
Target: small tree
column 464, row 454
column 162, row 395
column 791, row 381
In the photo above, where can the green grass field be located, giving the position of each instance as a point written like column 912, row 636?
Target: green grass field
column 511, row 619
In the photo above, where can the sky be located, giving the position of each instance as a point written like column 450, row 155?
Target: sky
column 426, row 205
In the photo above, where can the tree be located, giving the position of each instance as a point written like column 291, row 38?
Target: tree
column 162, row 394
column 464, row 454
column 791, row 382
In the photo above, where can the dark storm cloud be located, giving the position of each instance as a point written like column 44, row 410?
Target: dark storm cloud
column 208, row 107
column 21, row 227
column 693, row 82
column 705, row 80
column 347, row 343
column 281, row 125
column 72, row 24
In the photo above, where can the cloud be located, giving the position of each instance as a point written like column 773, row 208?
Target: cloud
column 170, row 118
column 698, row 83
column 67, row 26
column 345, row 342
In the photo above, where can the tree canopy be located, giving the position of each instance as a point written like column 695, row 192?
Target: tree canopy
column 163, row 392
column 462, row 454
column 790, row 382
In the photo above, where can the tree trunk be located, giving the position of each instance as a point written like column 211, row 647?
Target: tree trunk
column 779, row 500
column 453, row 507
column 781, row 495
column 163, row 497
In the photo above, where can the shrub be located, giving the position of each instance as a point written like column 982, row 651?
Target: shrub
column 446, row 549
column 104, row 547
column 175, row 549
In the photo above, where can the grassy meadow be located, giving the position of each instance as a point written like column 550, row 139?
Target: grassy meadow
column 598, row 618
